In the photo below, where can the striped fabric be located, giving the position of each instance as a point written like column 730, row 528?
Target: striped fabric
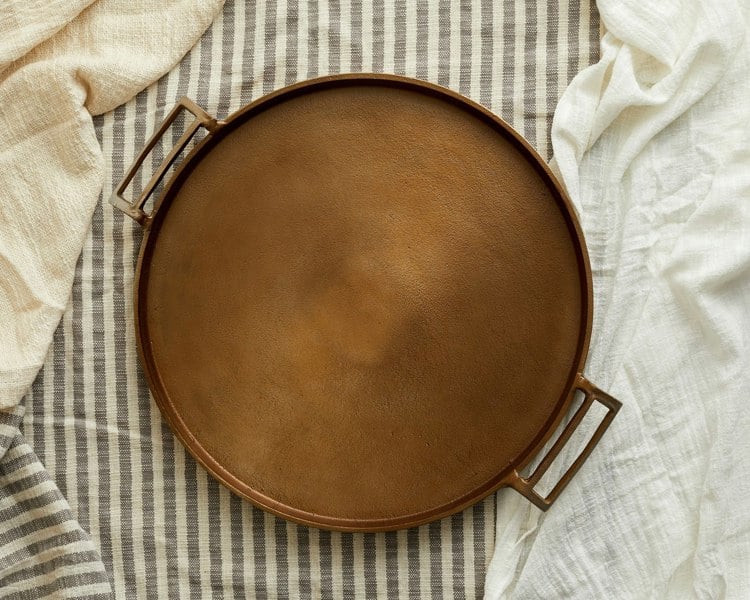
column 165, row 529
column 43, row 549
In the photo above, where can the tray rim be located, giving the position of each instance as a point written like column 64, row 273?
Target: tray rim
column 507, row 477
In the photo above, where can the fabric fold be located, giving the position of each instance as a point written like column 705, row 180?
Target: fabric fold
column 43, row 549
column 51, row 166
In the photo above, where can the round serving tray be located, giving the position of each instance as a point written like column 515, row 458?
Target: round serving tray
column 363, row 302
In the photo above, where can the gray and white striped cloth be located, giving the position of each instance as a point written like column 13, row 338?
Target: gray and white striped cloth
column 43, row 550
column 162, row 527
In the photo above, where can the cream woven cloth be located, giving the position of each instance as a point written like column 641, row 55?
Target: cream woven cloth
column 60, row 63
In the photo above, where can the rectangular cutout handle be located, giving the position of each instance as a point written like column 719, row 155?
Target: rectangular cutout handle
column 135, row 209
column 591, row 393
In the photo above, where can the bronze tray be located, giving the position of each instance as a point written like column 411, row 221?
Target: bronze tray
column 363, row 303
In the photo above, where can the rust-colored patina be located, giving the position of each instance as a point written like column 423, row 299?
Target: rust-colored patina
column 363, row 303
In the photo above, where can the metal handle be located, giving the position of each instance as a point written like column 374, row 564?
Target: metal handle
column 202, row 119
column 525, row 486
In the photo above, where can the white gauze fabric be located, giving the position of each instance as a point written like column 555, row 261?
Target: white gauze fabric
column 653, row 144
